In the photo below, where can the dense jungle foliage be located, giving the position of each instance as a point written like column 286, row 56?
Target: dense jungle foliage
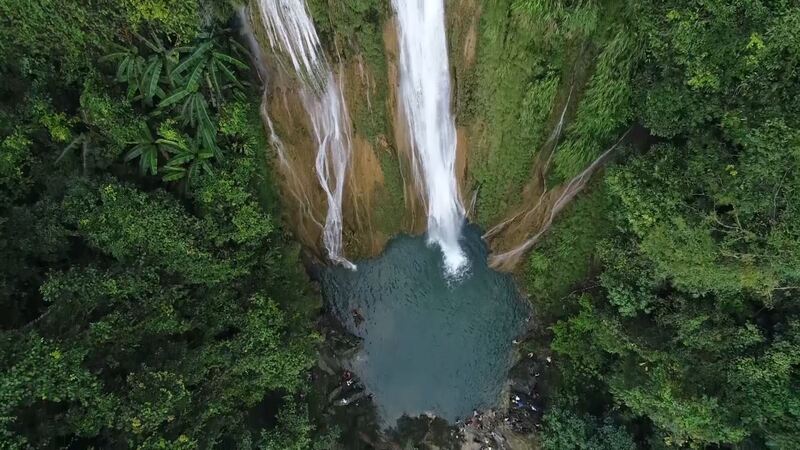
column 671, row 290
column 149, row 297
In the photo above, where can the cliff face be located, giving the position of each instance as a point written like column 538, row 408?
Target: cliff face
column 523, row 97
column 380, row 195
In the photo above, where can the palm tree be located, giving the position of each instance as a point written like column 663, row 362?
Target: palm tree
column 147, row 149
column 147, row 77
column 188, row 160
column 179, row 80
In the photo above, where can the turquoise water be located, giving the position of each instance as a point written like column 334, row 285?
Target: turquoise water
column 430, row 345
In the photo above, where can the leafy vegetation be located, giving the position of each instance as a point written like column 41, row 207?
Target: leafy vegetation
column 150, row 299
column 186, row 81
column 563, row 429
column 569, row 254
column 534, row 62
column 686, row 335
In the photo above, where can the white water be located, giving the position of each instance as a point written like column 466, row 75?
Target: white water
column 425, row 94
column 291, row 31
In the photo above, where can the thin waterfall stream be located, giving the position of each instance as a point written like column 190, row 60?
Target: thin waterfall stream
column 291, row 31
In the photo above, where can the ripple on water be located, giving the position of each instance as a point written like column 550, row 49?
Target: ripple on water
column 431, row 343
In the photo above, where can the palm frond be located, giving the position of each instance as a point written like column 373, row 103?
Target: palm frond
column 155, row 75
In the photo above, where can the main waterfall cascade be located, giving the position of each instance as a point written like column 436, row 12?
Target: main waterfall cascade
column 425, row 95
column 291, row 31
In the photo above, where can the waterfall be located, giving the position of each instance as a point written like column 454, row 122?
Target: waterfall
column 291, row 31
column 425, row 96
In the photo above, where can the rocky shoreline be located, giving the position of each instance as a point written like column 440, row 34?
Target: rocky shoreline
column 342, row 402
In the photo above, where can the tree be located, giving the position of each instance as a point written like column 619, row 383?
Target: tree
column 137, row 314
column 694, row 326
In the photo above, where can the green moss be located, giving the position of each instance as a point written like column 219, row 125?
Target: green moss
column 532, row 56
column 391, row 205
column 505, row 172
column 353, row 29
column 511, row 92
column 605, row 108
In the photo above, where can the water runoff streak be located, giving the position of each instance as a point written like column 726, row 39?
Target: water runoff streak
column 425, row 94
column 291, row 31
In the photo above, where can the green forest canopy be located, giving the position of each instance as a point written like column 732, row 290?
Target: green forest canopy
column 685, row 327
column 151, row 299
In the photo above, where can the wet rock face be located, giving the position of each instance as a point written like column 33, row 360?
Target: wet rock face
column 508, row 128
column 382, row 198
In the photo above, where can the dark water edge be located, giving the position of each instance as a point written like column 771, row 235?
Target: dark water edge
column 429, row 345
